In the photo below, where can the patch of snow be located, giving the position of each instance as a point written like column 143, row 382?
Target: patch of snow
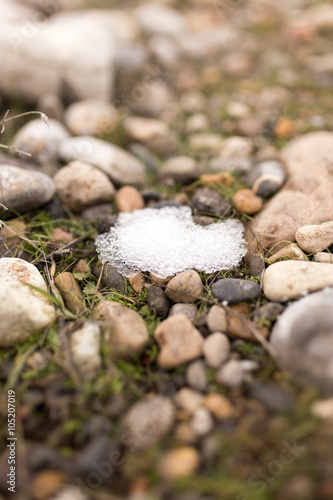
column 166, row 242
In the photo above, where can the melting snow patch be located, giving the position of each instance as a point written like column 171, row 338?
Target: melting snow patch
column 166, row 242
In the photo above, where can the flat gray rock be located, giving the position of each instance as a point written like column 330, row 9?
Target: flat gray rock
column 24, row 190
column 235, row 290
column 303, row 340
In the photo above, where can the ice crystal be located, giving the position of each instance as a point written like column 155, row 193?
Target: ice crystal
column 166, row 242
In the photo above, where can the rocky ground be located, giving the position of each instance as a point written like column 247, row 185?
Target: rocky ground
column 182, row 381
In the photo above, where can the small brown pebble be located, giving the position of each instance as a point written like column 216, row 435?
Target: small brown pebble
column 245, row 201
column 290, row 252
column 159, row 281
column 137, row 283
column 219, row 406
column 128, row 199
column 46, row 483
column 284, row 127
column 224, row 178
column 185, row 287
column 257, row 265
column 82, row 267
column 70, row 292
column 180, row 462
column 59, row 234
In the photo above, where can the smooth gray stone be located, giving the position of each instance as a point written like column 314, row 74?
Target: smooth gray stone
column 235, row 290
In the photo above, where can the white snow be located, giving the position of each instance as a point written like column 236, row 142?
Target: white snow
column 166, row 242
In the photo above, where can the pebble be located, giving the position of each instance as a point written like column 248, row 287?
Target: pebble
column 315, row 238
column 144, row 129
column 164, row 145
column 182, row 169
column 308, row 193
column 119, row 165
column 291, row 279
column 188, row 310
column 196, row 375
column 266, row 177
column 11, row 243
column 157, row 299
column 30, row 311
column 147, row 422
column 202, row 141
column 42, row 141
column 202, row 421
column 70, row 292
column 206, row 200
column 124, row 329
column 91, row 117
column 251, row 126
column 137, row 283
column 271, row 396
column 219, row 406
column 324, row 257
column 323, row 409
column 128, row 198
column 185, row 287
column 224, row 178
column 198, row 122
column 80, row 186
column 236, row 147
column 82, row 267
column 111, row 278
column 159, row 281
column 157, row 19
column 150, row 195
column 47, row 483
column 303, row 340
column 257, row 265
column 290, row 252
column 231, row 374
column 268, row 312
column 237, row 164
column 216, row 349
column 179, row 342
column 217, row 319
column 85, row 349
column 23, row 190
column 188, row 399
column 233, row 290
column 179, row 463
column 245, row 201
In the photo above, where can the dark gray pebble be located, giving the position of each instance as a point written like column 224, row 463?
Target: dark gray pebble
column 273, row 398
column 158, row 300
column 266, row 177
column 269, row 311
column 257, row 265
column 235, row 290
column 208, row 201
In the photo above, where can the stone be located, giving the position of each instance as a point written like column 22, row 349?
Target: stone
column 160, row 19
column 245, row 201
column 268, row 312
column 137, row 283
column 271, row 396
column 142, row 129
column 217, row 319
column 219, row 406
column 179, row 341
column 231, row 374
column 198, row 122
column 188, row 399
column 291, row 279
column 179, row 463
column 150, row 195
column 208, row 201
column 196, row 375
column 85, row 349
column 324, row 257
column 124, row 329
column 22, row 190
column 70, row 292
column 308, row 193
column 188, row 310
column 257, row 265
column 80, row 186
column 119, row 165
column 11, row 242
column 266, row 177
column 289, row 252
column 158, row 301
column 236, row 147
column 23, row 310
column 47, row 483
column 128, row 198
column 202, row 141
column 323, row 409
column 111, row 278
column 41, row 140
column 180, row 169
column 216, row 349
column 315, row 238
column 164, row 145
column 202, row 421
column 92, row 117
column 233, row 290
column 237, row 164
column 184, row 287
column 251, row 126
column 86, row 71
column 302, row 338
column 147, row 422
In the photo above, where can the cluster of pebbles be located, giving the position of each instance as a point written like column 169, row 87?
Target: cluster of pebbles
column 93, row 161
